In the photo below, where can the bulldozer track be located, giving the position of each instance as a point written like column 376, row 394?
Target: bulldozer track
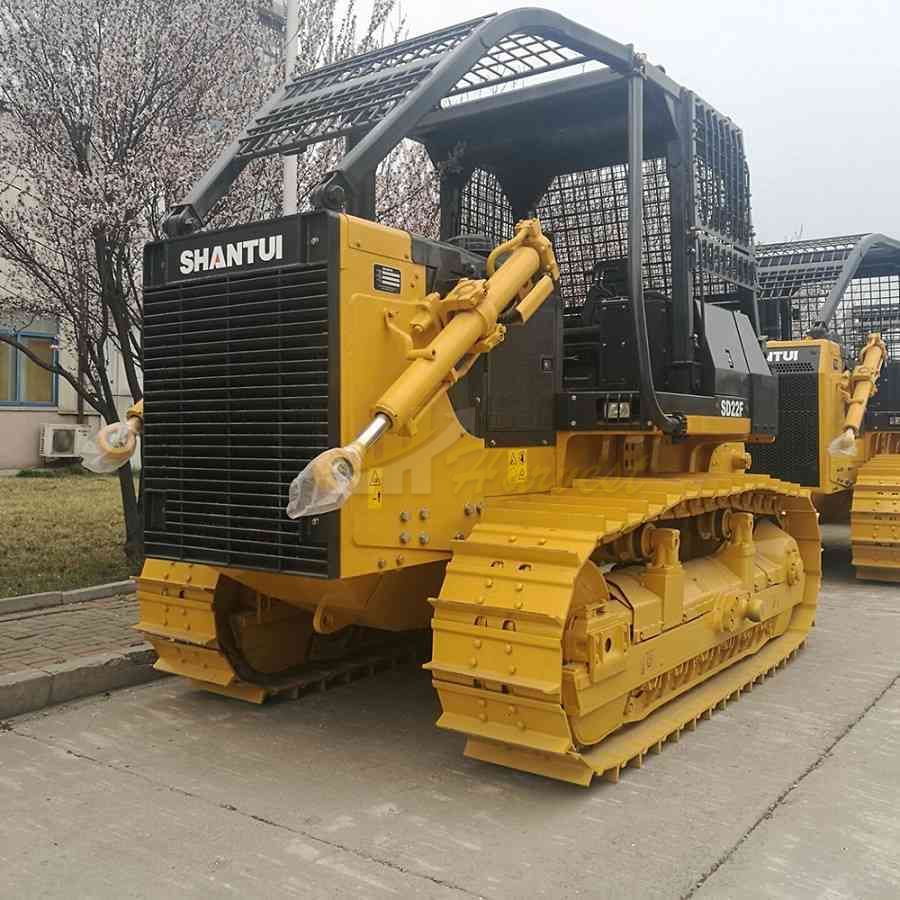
column 503, row 624
column 178, row 616
column 317, row 677
column 875, row 519
column 519, row 599
column 633, row 744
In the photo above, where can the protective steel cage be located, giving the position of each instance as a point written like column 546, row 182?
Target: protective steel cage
column 371, row 99
column 843, row 287
column 444, row 88
column 627, row 169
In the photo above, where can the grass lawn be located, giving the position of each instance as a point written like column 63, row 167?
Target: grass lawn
column 60, row 533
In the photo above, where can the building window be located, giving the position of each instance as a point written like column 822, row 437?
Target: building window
column 7, row 381
column 24, row 382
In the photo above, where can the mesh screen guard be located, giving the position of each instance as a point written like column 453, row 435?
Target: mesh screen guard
column 797, row 277
column 359, row 92
column 586, row 215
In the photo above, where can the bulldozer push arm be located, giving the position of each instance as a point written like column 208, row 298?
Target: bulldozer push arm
column 461, row 326
column 860, row 385
column 875, row 505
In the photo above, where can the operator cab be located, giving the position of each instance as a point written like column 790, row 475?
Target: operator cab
column 635, row 178
column 582, row 368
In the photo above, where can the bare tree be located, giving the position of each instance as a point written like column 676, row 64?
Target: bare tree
column 114, row 108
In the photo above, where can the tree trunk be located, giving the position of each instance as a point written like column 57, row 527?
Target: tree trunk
column 134, row 519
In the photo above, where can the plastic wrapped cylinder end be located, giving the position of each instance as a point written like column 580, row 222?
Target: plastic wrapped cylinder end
column 110, row 449
column 326, row 484
column 844, row 444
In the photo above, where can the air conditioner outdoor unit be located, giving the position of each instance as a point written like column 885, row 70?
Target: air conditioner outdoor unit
column 62, row 441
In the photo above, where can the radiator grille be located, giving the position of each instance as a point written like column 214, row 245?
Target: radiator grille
column 795, row 454
column 236, row 383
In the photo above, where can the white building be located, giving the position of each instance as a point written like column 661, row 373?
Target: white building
column 32, row 397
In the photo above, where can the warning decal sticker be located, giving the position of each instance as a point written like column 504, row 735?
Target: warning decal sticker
column 516, row 466
column 375, row 483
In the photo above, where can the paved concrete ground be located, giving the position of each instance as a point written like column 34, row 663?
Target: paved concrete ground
column 164, row 791
column 43, row 637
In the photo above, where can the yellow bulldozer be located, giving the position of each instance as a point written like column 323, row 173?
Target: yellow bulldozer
column 527, row 433
column 832, row 309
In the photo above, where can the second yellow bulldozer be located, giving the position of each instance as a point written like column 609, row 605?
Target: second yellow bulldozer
column 527, row 434
column 826, row 301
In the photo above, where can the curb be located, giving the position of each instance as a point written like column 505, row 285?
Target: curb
column 33, row 689
column 29, row 602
